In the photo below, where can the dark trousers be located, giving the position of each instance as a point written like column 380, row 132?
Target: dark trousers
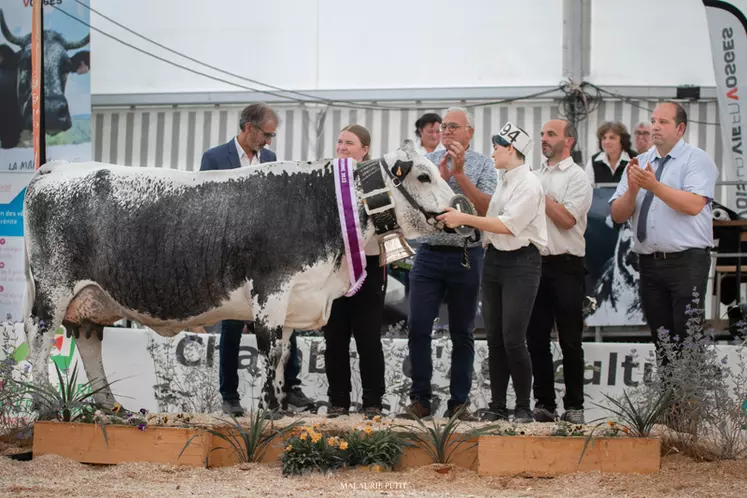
column 672, row 288
column 359, row 316
column 228, row 374
column 559, row 302
column 509, row 285
column 437, row 273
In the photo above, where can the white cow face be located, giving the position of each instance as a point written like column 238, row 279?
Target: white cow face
column 422, row 181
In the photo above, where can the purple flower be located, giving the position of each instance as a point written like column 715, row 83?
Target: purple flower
column 724, row 361
column 142, row 427
column 143, row 411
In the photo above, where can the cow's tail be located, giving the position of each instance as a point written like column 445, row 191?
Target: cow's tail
column 30, row 283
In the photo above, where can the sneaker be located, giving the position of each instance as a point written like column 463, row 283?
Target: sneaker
column 542, row 414
column 233, row 407
column 415, row 411
column 573, row 416
column 523, row 416
column 494, row 415
column 298, row 401
column 337, row 411
column 464, row 415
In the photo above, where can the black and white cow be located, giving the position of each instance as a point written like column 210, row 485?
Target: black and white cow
column 176, row 249
column 15, row 82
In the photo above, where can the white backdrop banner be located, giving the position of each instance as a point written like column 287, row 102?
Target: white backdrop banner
column 181, row 374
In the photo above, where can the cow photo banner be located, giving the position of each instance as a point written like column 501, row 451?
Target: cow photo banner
column 67, row 114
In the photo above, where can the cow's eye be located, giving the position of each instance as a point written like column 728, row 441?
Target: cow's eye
column 423, row 178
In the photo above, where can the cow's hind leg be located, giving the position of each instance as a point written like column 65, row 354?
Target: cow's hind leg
column 89, row 342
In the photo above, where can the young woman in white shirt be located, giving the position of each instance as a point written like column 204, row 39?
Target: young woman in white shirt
column 359, row 316
column 514, row 228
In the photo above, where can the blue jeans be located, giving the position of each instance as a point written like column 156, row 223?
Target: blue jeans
column 230, row 339
column 438, row 273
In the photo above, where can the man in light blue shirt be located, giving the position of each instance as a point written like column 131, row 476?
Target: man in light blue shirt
column 667, row 192
column 437, row 272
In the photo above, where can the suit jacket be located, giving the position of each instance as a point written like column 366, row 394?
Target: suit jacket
column 227, row 157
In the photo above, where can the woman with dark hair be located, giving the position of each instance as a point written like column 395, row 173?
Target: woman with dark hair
column 607, row 165
column 359, row 315
column 428, row 131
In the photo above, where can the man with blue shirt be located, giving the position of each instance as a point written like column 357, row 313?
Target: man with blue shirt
column 667, row 191
column 438, row 272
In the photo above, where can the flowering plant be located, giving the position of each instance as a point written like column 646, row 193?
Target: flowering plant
column 312, row 450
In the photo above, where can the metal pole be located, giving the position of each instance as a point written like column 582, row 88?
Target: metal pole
column 37, row 83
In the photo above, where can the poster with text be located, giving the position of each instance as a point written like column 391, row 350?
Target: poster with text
column 67, row 114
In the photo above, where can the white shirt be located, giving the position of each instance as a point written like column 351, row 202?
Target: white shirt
column 567, row 184
column 519, row 203
column 243, row 158
column 421, row 150
column 602, row 156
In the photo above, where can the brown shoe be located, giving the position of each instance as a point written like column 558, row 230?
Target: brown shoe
column 464, row 415
column 415, row 411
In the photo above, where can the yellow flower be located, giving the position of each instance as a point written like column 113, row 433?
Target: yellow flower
column 303, row 436
column 332, row 441
column 289, row 447
column 116, row 407
column 368, row 430
column 315, row 437
column 377, row 418
column 626, row 430
column 611, row 423
column 344, row 445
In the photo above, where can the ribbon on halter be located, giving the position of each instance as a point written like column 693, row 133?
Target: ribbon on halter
column 352, row 236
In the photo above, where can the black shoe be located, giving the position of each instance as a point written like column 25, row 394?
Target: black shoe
column 371, row 412
column 464, row 415
column 415, row 411
column 337, row 411
column 523, row 416
column 574, row 416
column 298, row 401
column 542, row 414
column 495, row 415
column 233, row 407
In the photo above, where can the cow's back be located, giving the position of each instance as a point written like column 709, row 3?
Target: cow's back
column 174, row 244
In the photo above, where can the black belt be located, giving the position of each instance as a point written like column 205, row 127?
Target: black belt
column 445, row 248
column 675, row 255
column 529, row 247
column 561, row 257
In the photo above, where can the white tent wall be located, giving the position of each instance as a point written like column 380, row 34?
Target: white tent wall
column 176, row 136
column 351, row 44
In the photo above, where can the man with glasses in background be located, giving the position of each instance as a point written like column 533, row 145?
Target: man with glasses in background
column 438, row 272
column 258, row 123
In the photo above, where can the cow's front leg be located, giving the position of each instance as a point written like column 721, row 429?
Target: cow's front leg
column 89, row 347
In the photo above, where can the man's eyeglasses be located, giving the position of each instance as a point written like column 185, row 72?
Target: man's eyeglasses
column 268, row 136
column 450, row 126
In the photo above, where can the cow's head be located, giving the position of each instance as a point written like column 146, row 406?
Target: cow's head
column 57, row 65
column 419, row 193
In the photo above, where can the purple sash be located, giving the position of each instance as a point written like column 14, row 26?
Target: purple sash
column 347, row 206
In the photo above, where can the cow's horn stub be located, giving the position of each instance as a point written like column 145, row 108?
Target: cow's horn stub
column 6, row 32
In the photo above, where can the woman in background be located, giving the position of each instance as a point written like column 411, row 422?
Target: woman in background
column 607, row 165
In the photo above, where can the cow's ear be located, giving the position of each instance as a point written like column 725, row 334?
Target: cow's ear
column 401, row 169
column 408, row 146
